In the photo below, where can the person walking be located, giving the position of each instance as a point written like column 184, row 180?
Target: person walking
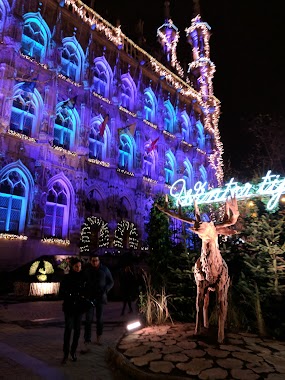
column 128, row 288
column 100, row 282
column 73, row 291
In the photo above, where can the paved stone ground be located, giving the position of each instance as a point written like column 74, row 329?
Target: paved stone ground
column 31, row 336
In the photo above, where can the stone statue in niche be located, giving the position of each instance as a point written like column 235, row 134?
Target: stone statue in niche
column 211, row 270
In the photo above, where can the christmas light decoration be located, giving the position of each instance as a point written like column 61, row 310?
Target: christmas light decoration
column 106, row 100
column 166, row 133
column 55, row 241
column 272, row 187
column 20, row 136
column 86, row 231
column 123, row 171
column 150, row 180
column 126, row 227
column 62, row 150
column 40, row 289
column 61, row 76
column 41, row 270
column 27, row 57
column 150, row 124
column 98, row 162
column 123, row 109
column 13, row 237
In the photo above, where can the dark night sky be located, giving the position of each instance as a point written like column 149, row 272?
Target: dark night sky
column 247, row 47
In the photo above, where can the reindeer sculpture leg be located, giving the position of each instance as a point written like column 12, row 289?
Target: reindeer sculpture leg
column 222, row 295
column 199, row 307
column 205, row 309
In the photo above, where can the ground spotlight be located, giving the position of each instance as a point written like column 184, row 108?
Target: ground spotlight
column 131, row 326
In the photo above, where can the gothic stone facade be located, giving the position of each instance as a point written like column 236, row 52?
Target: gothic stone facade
column 92, row 128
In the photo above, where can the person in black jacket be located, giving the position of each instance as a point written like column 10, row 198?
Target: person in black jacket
column 73, row 290
column 100, row 281
column 128, row 288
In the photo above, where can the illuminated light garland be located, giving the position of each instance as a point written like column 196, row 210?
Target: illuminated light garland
column 65, row 151
column 98, row 162
column 13, row 237
column 55, row 241
column 150, row 124
column 106, row 100
column 40, row 289
column 201, row 151
column 123, row 227
column 86, row 233
column 21, row 136
column 149, row 180
column 187, row 144
column 171, row 46
column 169, row 134
column 167, row 186
column 123, row 109
column 123, row 171
column 43, row 65
column 97, row 22
column 61, row 76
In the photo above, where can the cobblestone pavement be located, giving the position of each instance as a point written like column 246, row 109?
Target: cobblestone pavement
column 31, row 339
column 31, row 336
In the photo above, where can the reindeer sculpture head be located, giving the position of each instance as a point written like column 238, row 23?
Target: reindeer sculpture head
column 211, row 271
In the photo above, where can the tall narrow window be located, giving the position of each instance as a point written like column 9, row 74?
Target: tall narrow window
column 64, row 129
column 23, row 114
column 12, row 202
column 125, row 153
column 169, row 169
column 96, row 142
column 55, row 224
column 149, row 106
column 35, row 37
column 69, row 62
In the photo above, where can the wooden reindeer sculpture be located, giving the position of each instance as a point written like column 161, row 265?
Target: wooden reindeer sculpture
column 211, row 271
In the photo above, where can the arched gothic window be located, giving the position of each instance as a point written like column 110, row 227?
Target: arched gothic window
column 64, row 128
column 188, row 174
column 149, row 105
column 128, row 91
column 125, row 153
column 185, row 126
column 201, row 135
column 13, row 201
column 103, row 76
column 98, row 139
column 4, row 10
column 23, row 115
column 35, row 37
column 169, row 169
column 57, row 208
column 72, row 57
column 169, row 118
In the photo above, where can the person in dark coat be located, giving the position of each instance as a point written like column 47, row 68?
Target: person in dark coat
column 73, row 291
column 128, row 288
column 100, row 282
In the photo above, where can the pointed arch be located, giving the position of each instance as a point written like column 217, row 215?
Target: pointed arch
column 126, row 235
column 201, row 135
column 59, row 198
column 16, row 192
column 72, row 58
column 185, row 126
column 169, row 167
column 102, row 76
column 26, row 113
column 66, row 126
column 150, row 105
column 188, row 174
column 203, row 174
column 98, row 144
column 170, row 117
column 129, row 91
column 35, row 37
column 127, row 148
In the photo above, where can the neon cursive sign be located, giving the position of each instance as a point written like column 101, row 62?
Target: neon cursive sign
column 272, row 186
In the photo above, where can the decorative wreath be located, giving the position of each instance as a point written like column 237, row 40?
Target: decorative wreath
column 122, row 227
column 86, row 233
